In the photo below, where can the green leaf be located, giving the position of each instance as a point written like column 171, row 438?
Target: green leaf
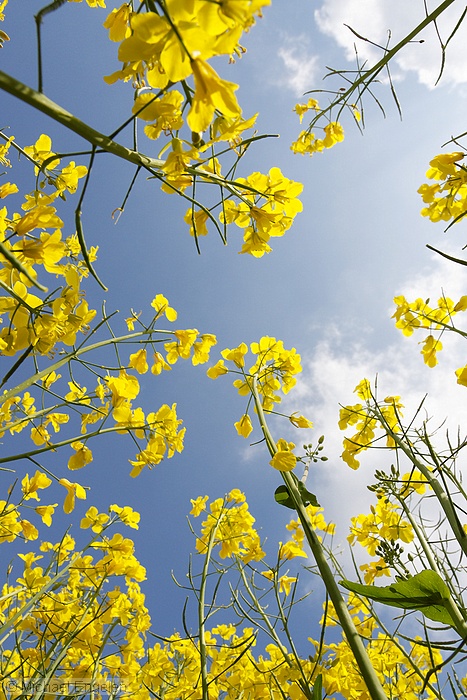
column 318, row 688
column 283, row 497
column 308, row 498
column 425, row 592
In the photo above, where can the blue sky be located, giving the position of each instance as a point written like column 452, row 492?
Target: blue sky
column 326, row 288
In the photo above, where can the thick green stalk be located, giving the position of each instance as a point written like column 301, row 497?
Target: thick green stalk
column 353, row 638
column 100, row 141
column 62, row 116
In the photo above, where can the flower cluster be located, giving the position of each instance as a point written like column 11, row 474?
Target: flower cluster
column 33, row 240
column 384, row 522
column 191, row 109
column 307, row 142
column 266, row 208
column 295, row 547
column 393, row 665
column 92, row 3
column 419, row 315
column 175, row 43
column 275, row 369
column 366, row 421
column 446, row 200
column 229, row 526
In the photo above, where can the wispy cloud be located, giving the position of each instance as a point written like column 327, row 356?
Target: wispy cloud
column 301, row 67
column 374, row 19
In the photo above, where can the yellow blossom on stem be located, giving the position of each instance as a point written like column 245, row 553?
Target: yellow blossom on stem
column 244, row 426
column 217, row 370
column 31, row 486
column 74, row 490
column 202, row 348
column 234, row 531
column 123, row 387
column 181, row 347
column 118, row 23
column 46, row 513
column 300, row 421
column 236, row 496
column 161, row 305
column 94, row 520
column 197, row 221
column 40, row 435
column 211, row 93
column 291, row 549
column 138, row 361
column 82, row 456
column 285, row 582
column 131, row 321
column 28, row 530
column 127, row 515
column 236, row 355
column 461, row 375
column 127, row 418
column 429, row 350
column 40, row 217
column 10, row 527
column 317, row 520
column 374, row 569
column 284, row 459
column 6, row 189
column 4, row 151
column 76, row 393
column 363, row 390
column 159, row 364
column 302, row 109
column 224, row 631
column 198, row 505
column 164, row 113
column 412, row 481
column 384, row 522
column 334, row 133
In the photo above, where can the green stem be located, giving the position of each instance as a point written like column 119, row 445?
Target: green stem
column 13, row 260
column 443, row 498
column 353, row 638
column 303, row 683
column 155, row 165
column 73, row 356
column 62, row 116
column 390, row 635
column 370, row 75
column 458, row 618
column 56, row 445
column 420, row 536
column 201, row 616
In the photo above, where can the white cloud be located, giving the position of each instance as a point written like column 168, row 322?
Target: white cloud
column 301, row 68
column 373, row 19
column 337, row 364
